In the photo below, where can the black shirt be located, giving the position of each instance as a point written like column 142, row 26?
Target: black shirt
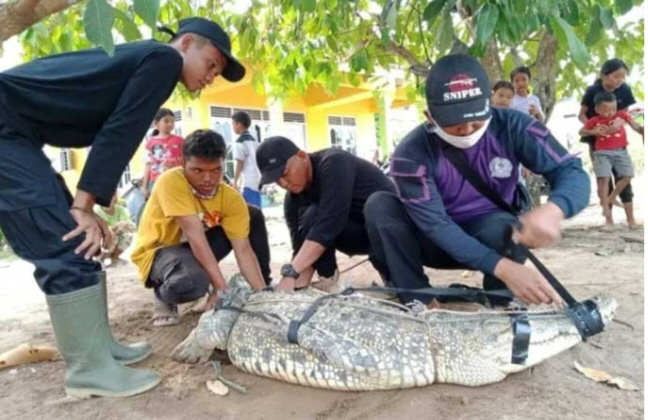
column 87, row 98
column 340, row 187
column 623, row 95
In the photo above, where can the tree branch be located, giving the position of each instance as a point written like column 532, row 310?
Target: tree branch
column 458, row 46
column 491, row 61
column 516, row 56
column 19, row 15
column 420, row 25
column 544, row 75
column 416, row 66
column 407, row 22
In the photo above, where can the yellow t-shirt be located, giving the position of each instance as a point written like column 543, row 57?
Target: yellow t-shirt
column 172, row 197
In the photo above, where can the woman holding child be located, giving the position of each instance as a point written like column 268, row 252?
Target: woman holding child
column 611, row 80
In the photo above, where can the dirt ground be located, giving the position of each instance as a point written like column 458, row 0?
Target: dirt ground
column 587, row 260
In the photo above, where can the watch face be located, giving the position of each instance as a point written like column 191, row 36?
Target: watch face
column 287, row 270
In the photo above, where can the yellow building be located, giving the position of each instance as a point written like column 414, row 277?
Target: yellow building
column 357, row 119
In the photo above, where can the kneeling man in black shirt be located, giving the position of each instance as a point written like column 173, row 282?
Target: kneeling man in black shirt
column 327, row 191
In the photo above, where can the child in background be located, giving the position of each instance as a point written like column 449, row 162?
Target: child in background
column 610, row 149
column 117, row 218
column 611, row 79
column 502, row 94
column 244, row 153
column 524, row 101
column 163, row 149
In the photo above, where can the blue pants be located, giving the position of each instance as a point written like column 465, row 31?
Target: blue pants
column 35, row 214
column 399, row 250
column 252, row 197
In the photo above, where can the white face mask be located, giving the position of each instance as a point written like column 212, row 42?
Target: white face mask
column 463, row 142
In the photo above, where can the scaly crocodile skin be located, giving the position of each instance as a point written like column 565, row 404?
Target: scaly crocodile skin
column 358, row 343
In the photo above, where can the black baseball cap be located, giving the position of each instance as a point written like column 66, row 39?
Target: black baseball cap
column 234, row 71
column 271, row 157
column 457, row 90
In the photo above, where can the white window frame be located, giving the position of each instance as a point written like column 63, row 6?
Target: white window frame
column 345, row 122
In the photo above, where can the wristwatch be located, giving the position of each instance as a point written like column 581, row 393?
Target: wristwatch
column 287, row 270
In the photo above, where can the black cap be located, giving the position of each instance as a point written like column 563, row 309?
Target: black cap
column 234, row 71
column 457, row 90
column 271, row 157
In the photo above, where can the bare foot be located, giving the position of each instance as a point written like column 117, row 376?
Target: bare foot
column 609, row 226
column 632, row 225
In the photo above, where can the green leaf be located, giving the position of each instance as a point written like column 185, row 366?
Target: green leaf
column 308, row 6
column 433, row 9
column 571, row 13
column 595, row 31
column 332, row 43
column 354, row 79
column 477, row 50
column 486, row 22
column 520, row 6
column 623, row 6
column 445, row 32
column 126, row 26
column 384, row 36
column 98, row 20
column 606, row 18
column 360, row 61
column 389, row 13
column 65, row 42
column 148, row 11
column 564, row 31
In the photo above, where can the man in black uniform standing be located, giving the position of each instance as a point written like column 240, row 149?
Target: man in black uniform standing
column 82, row 99
column 327, row 191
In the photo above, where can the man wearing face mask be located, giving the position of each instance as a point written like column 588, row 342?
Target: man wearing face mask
column 438, row 219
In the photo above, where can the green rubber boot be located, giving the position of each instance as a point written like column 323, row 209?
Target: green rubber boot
column 83, row 340
column 124, row 354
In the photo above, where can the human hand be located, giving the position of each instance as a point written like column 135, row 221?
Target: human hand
column 211, row 301
column 540, row 226
column 616, row 125
column 287, row 284
column 600, row 130
column 95, row 229
column 533, row 110
column 526, row 283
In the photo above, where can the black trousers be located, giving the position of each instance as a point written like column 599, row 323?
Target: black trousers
column 353, row 240
column 35, row 214
column 177, row 276
column 400, row 250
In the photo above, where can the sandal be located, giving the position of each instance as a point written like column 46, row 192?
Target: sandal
column 165, row 315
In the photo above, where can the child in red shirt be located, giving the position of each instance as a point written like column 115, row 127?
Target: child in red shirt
column 163, row 149
column 610, row 149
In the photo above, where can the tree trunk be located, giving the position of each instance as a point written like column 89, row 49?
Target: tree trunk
column 491, row 62
column 544, row 72
column 19, row 15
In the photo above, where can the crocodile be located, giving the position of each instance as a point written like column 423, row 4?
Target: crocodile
column 359, row 343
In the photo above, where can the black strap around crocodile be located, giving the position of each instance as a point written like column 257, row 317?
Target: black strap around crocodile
column 585, row 315
column 456, row 157
column 460, row 293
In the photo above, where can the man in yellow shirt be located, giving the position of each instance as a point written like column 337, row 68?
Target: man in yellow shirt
column 191, row 221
